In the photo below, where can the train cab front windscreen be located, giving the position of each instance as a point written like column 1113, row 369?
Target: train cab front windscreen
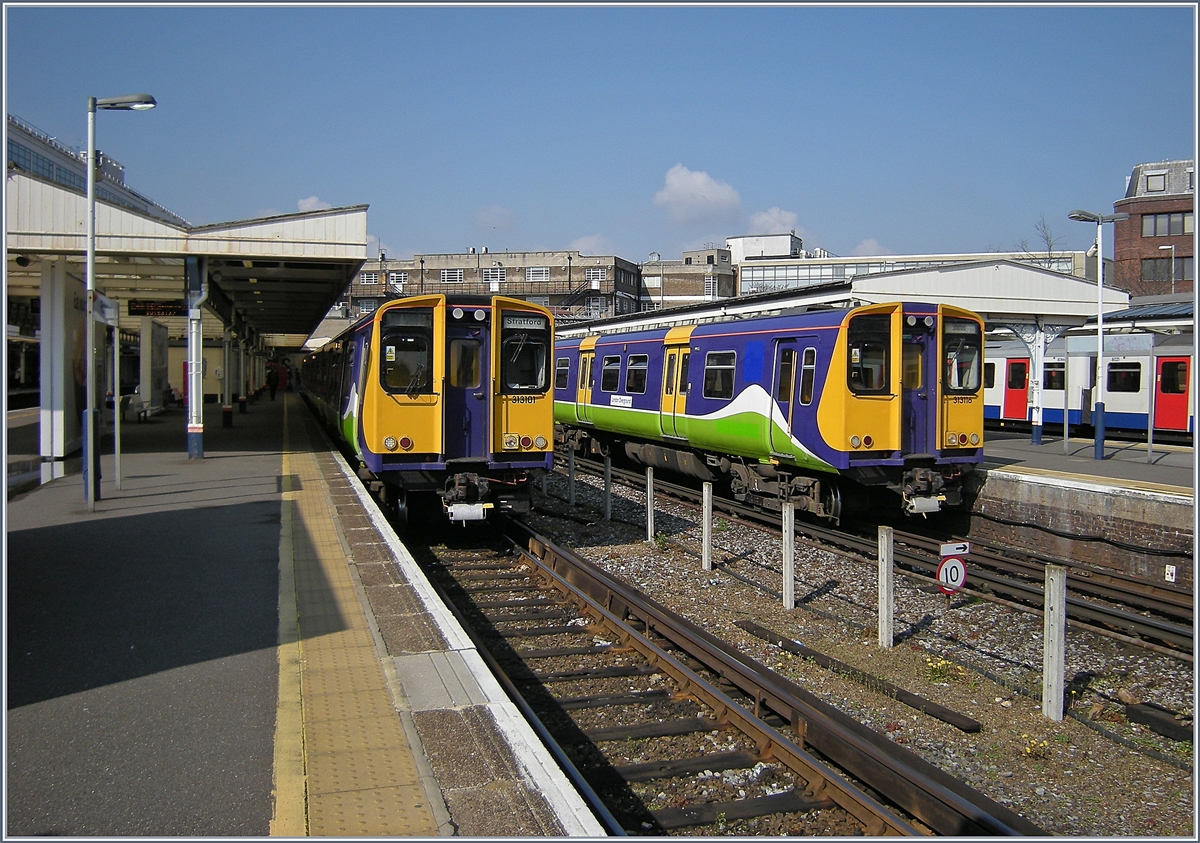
column 406, row 351
column 962, row 349
column 524, row 353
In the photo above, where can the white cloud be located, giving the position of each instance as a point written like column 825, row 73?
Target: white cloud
column 869, row 248
column 312, row 203
column 773, row 221
column 592, row 244
column 690, row 196
column 494, row 218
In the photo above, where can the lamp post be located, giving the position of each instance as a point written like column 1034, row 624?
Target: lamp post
column 1099, row 220
column 130, row 102
column 1172, row 248
column 657, row 258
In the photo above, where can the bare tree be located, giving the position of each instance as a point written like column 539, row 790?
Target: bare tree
column 1043, row 252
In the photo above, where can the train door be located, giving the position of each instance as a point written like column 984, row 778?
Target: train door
column 676, row 360
column 1171, row 393
column 583, row 393
column 1016, row 389
column 465, row 400
column 919, row 366
column 783, row 392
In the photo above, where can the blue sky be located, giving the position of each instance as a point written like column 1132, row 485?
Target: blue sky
column 626, row 130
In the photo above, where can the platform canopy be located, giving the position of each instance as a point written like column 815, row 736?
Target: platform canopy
column 1004, row 292
column 275, row 277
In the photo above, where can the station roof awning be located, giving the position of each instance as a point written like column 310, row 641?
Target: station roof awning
column 275, row 276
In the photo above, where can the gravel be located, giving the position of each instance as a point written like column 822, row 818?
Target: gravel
column 1093, row 773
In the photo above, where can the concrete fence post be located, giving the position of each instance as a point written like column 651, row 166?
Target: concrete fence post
column 1054, row 642
column 887, row 590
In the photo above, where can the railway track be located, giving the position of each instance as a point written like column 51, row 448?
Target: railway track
column 1100, row 600
column 669, row 730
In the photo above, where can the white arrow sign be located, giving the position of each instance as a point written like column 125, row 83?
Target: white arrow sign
column 956, row 549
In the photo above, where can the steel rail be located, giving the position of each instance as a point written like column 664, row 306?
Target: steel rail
column 945, row 804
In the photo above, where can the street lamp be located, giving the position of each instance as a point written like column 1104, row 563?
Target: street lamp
column 1172, row 248
column 657, row 258
column 130, row 102
column 1099, row 220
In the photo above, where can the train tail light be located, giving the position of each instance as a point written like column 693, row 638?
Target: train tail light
column 406, row 443
column 526, row 442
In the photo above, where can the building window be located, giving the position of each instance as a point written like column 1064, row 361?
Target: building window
column 1159, row 269
column 544, row 301
column 397, row 277
column 494, row 274
column 537, row 274
column 595, row 307
column 595, row 273
column 452, row 276
column 710, row 286
column 1156, row 182
column 368, row 278
column 710, row 260
column 687, row 261
column 1167, row 225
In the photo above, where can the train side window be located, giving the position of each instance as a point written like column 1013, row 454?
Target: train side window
column 683, row 372
column 1124, row 377
column 635, row 373
column 1174, row 378
column 808, row 375
column 562, row 368
column 868, row 339
column 989, row 375
column 669, row 381
column 786, row 375
column 525, row 349
column 962, row 348
column 1052, row 376
column 610, row 374
column 912, row 373
column 719, row 367
column 464, row 363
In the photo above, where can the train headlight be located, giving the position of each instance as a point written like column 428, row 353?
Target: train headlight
column 974, row 438
column 951, row 439
column 480, row 316
column 457, row 313
column 406, row 443
column 390, row 443
column 540, row 442
column 855, row 442
column 511, row 441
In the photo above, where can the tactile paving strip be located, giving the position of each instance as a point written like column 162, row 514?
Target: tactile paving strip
column 360, row 776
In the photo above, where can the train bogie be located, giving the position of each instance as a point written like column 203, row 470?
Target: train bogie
column 444, row 396
column 796, row 406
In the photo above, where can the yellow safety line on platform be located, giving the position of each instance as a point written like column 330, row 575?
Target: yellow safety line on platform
column 288, row 797
column 356, row 775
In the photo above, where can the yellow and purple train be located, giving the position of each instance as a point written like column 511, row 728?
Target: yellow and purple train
column 442, row 397
column 801, row 406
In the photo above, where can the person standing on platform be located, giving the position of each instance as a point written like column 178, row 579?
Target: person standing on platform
column 272, row 380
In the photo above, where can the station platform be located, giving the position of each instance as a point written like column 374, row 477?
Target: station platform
column 239, row 645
